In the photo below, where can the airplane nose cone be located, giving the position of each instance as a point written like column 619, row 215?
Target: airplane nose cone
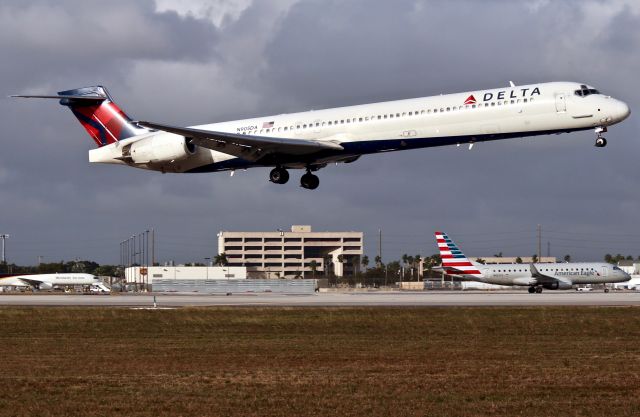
column 622, row 111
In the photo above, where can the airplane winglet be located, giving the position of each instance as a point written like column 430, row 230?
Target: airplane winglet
column 534, row 271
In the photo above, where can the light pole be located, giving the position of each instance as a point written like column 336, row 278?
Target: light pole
column 207, row 260
column 153, row 246
column 132, row 259
column 4, row 257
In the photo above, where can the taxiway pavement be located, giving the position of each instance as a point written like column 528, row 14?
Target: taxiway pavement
column 355, row 299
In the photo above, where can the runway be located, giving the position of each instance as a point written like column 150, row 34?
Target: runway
column 361, row 299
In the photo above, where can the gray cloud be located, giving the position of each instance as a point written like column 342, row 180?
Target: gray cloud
column 284, row 56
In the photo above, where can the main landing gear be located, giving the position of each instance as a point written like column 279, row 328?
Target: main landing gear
column 601, row 142
column 536, row 290
column 309, row 181
column 279, row 175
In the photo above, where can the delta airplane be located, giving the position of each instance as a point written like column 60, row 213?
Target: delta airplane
column 48, row 281
column 312, row 140
column 536, row 276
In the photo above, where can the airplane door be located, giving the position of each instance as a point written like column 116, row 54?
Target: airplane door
column 604, row 272
column 561, row 103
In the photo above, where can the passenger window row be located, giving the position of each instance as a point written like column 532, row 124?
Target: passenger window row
column 549, row 270
column 354, row 120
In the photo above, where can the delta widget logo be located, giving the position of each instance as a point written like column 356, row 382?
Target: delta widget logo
column 470, row 100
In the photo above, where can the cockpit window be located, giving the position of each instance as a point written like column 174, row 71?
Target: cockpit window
column 585, row 91
column 615, row 268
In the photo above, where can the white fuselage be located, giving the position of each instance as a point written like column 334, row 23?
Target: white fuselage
column 49, row 280
column 469, row 117
column 565, row 273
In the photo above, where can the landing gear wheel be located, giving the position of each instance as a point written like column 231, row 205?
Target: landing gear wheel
column 309, row 181
column 606, row 290
column 532, row 290
column 538, row 290
column 279, row 176
column 601, row 142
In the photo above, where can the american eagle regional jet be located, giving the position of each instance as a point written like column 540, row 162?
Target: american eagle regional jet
column 536, row 276
column 311, row 140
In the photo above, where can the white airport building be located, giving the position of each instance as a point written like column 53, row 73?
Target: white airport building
column 291, row 254
column 142, row 275
column 630, row 267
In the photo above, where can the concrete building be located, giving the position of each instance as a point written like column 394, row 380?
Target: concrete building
column 283, row 254
column 145, row 275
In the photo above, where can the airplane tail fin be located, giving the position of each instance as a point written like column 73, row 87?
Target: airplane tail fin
column 97, row 113
column 454, row 262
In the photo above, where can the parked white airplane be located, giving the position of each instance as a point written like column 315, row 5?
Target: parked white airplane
column 536, row 276
column 48, row 281
column 313, row 139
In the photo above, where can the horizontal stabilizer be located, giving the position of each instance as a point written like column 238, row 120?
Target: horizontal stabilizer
column 103, row 120
column 91, row 98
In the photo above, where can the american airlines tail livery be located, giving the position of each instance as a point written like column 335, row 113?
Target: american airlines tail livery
column 536, row 276
column 313, row 139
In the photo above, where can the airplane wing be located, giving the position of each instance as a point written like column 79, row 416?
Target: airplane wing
column 30, row 282
column 251, row 148
column 13, row 281
column 545, row 279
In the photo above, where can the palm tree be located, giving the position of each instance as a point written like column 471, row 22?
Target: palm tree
column 327, row 265
column 405, row 261
column 518, row 260
column 355, row 264
column 378, row 261
column 365, row 262
column 410, row 261
column 432, row 261
column 567, row 258
column 221, row 259
column 314, row 267
column 534, row 258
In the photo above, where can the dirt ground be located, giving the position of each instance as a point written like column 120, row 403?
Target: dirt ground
column 320, row 362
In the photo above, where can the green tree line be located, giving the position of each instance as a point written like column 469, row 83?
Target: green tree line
column 84, row 267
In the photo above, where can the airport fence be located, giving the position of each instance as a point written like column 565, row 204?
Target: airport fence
column 302, row 286
column 439, row 285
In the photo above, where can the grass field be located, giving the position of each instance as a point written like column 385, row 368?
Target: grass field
column 320, row 362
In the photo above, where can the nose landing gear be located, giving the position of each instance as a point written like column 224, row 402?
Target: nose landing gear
column 535, row 290
column 601, row 142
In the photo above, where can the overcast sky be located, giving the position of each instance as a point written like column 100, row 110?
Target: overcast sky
column 195, row 61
